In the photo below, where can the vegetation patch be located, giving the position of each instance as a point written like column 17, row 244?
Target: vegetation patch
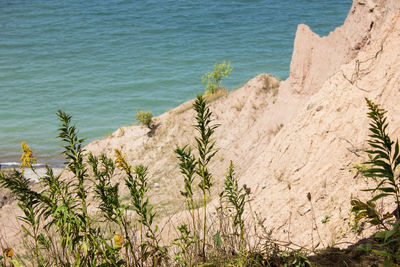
column 212, row 80
column 145, row 118
column 59, row 230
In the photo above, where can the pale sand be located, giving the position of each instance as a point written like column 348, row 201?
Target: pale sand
column 39, row 172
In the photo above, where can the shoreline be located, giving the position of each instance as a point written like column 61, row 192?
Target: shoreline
column 42, row 162
column 15, row 164
column 40, row 171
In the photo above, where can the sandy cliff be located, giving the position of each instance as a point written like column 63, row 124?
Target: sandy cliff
column 315, row 152
column 315, row 59
column 302, row 135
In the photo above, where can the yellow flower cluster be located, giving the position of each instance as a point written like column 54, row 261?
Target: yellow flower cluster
column 27, row 158
column 8, row 253
column 121, row 161
column 119, row 240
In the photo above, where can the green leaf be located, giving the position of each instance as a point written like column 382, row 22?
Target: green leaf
column 381, row 253
column 217, row 239
column 78, row 258
column 374, row 221
column 84, row 246
column 380, row 235
column 396, row 150
column 380, row 196
column 387, row 190
column 389, row 234
column 380, row 153
column 26, row 230
column 383, row 164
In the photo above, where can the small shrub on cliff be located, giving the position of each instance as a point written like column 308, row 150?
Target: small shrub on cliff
column 145, row 118
column 212, row 80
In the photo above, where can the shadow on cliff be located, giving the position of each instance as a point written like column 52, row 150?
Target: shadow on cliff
column 351, row 256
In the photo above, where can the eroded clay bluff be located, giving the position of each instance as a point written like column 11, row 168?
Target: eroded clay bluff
column 316, row 58
column 286, row 140
column 302, row 135
column 316, row 151
column 251, row 118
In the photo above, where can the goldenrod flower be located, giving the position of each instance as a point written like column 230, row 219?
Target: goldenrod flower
column 121, row 161
column 8, row 253
column 27, row 158
column 119, row 240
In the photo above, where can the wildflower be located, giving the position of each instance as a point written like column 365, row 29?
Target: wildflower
column 121, row 161
column 119, row 241
column 8, row 252
column 27, row 158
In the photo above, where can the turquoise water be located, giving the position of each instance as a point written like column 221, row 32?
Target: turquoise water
column 102, row 60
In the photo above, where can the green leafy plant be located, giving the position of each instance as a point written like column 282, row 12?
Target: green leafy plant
column 187, row 166
column 62, row 207
column 326, row 219
column 205, row 148
column 235, row 199
column 366, row 248
column 183, row 242
column 62, row 204
column 383, row 168
column 137, row 182
column 190, row 165
column 145, row 118
column 212, row 80
column 110, row 204
column 295, row 258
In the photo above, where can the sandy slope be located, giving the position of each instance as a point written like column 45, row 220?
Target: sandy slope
column 321, row 108
column 302, row 135
column 316, row 151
